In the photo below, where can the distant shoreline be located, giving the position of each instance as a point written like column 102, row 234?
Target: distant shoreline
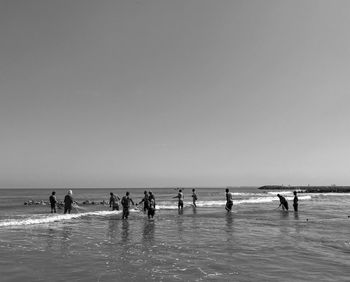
column 309, row 189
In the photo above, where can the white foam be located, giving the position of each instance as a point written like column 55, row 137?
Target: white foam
column 267, row 199
column 53, row 218
column 243, row 194
column 331, row 194
column 166, row 207
column 280, row 192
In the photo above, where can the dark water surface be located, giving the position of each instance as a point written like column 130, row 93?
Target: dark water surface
column 256, row 242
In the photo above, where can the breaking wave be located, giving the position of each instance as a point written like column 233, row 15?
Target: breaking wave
column 39, row 219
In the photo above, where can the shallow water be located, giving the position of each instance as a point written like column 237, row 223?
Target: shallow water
column 256, row 242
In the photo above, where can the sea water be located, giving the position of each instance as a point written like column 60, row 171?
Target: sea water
column 255, row 242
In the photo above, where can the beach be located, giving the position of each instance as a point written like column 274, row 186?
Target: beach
column 255, row 242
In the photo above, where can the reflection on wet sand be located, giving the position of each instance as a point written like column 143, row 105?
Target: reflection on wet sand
column 113, row 226
column 50, row 239
column 65, row 240
column 180, row 227
column 125, row 231
column 283, row 224
column 229, row 222
column 284, row 215
column 194, row 209
column 229, row 228
column 148, row 233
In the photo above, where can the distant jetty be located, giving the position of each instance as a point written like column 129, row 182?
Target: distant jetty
column 309, row 189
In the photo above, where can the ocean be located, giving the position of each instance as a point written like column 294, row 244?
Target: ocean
column 255, row 242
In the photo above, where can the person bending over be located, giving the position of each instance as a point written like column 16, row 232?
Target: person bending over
column 283, row 202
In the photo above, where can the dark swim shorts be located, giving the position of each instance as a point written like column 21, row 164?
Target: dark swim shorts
column 229, row 205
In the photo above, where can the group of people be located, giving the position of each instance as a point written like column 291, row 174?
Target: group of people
column 68, row 202
column 284, row 203
column 149, row 202
column 180, row 196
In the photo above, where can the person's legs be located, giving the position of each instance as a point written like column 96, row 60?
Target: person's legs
column 125, row 213
column 229, row 206
column 123, row 216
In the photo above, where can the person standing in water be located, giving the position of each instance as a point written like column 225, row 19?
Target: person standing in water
column 151, row 207
column 53, row 202
column 145, row 202
column 68, row 202
column 283, row 202
column 180, row 197
column 151, row 196
column 194, row 197
column 295, row 201
column 229, row 200
column 126, row 205
column 113, row 202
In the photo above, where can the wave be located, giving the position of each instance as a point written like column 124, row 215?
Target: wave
column 280, row 192
column 39, row 219
column 331, row 194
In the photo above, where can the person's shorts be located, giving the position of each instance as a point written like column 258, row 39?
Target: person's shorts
column 151, row 212
column 125, row 212
column 181, row 204
column 67, row 209
column 228, row 206
column 115, row 208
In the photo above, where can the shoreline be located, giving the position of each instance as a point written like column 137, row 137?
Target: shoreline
column 309, row 189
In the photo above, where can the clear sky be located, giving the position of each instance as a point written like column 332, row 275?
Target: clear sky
column 154, row 93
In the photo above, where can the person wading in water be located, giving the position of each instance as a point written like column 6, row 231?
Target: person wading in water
column 126, row 205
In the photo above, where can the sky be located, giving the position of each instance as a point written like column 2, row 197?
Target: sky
column 162, row 93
